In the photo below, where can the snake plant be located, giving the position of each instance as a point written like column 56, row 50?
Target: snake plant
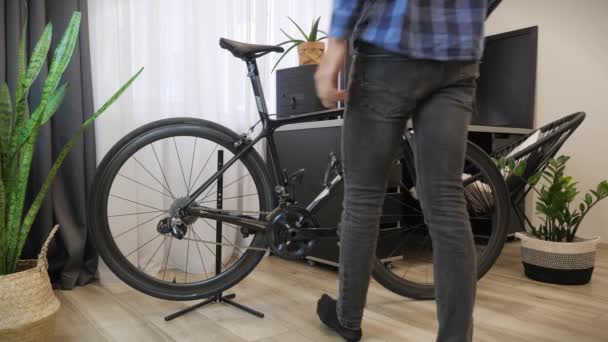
column 19, row 131
column 312, row 36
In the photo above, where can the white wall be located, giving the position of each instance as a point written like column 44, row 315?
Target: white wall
column 572, row 76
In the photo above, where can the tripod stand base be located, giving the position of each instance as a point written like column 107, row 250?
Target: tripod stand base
column 219, row 298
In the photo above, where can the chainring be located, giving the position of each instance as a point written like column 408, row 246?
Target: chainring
column 282, row 232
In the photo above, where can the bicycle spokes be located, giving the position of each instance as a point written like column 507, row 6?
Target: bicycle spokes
column 146, row 198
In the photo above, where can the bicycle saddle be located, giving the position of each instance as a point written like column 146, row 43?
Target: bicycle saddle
column 247, row 51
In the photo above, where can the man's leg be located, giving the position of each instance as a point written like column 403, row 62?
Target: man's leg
column 373, row 125
column 440, row 130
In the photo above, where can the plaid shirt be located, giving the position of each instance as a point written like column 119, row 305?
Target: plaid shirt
column 422, row 29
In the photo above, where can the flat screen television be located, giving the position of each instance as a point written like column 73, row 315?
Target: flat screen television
column 507, row 80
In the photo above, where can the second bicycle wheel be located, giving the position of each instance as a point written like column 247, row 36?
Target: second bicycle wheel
column 150, row 173
column 404, row 261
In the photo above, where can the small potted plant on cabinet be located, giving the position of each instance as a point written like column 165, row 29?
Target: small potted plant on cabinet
column 310, row 46
column 551, row 251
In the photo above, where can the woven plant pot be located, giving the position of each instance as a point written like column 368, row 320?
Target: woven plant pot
column 311, row 52
column 28, row 304
column 564, row 263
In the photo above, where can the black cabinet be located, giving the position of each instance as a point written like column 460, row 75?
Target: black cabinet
column 305, row 145
column 296, row 91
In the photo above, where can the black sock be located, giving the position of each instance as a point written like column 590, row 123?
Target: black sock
column 326, row 310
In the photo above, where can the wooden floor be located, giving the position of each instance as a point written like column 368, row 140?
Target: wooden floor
column 509, row 308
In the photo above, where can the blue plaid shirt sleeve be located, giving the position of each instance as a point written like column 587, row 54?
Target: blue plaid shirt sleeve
column 344, row 17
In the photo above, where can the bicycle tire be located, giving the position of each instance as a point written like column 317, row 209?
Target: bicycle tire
column 97, row 215
column 502, row 204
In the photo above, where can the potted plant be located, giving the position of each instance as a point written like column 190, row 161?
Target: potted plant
column 551, row 250
column 28, row 303
column 310, row 46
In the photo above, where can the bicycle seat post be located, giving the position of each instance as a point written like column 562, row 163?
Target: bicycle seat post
column 258, row 92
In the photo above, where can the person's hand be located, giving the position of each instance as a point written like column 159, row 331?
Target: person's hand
column 326, row 77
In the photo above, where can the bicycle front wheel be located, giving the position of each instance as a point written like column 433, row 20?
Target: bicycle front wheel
column 404, row 262
column 148, row 174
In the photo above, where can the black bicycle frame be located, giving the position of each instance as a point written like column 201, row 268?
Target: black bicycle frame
column 268, row 128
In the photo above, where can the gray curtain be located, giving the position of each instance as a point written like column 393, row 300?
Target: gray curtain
column 72, row 256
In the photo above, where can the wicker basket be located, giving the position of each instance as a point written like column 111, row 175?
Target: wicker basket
column 564, row 263
column 311, row 52
column 28, row 304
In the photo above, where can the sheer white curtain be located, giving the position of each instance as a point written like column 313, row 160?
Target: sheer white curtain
column 186, row 73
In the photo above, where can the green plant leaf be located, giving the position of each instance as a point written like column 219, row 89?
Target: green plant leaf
column 6, row 114
column 325, row 33
column 520, row 168
column 322, row 38
column 588, row 199
column 572, row 186
column 501, row 163
column 289, row 41
column 602, row 189
column 312, row 36
column 14, row 207
column 511, row 165
column 16, row 203
column 37, row 61
column 284, row 54
column 21, row 110
column 39, row 55
column 21, row 62
column 570, row 194
column 61, row 58
column 33, row 210
column 3, row 228
column 535, row 178
column 54, row 102
column 299, row 29
column 541, row 208
column 555, row 198
column 288, row 36
column 561, row 160
column 52, row 106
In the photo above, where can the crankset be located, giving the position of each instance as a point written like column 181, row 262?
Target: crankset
column 290, row 232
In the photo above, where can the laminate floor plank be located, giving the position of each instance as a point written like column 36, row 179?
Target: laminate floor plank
column 509, row 307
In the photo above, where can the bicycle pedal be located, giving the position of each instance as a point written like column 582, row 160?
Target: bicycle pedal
column 334, row 167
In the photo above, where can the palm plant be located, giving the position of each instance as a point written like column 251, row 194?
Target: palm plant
column 312, row 36
column 19, row 131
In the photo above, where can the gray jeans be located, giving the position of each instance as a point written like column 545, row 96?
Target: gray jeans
column 385, row 91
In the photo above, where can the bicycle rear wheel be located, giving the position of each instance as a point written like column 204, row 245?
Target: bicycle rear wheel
column 404, row 262
column 145, row 177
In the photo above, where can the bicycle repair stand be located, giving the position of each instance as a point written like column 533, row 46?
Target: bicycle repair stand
column 218, row 297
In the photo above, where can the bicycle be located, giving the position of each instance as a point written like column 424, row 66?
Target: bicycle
column 261, row 215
